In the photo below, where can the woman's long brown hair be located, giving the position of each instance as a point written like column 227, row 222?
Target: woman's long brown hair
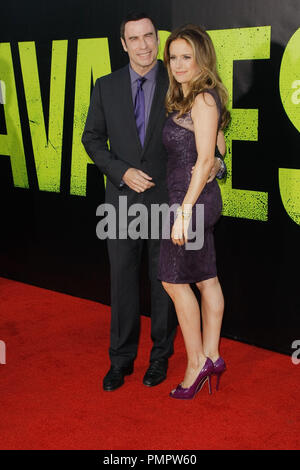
column 207, row 78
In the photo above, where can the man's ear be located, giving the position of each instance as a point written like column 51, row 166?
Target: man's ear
column 124, row 44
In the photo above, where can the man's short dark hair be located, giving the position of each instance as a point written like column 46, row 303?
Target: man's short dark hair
column 135, row 16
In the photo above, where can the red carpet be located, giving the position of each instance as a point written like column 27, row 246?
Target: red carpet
column 51, row 395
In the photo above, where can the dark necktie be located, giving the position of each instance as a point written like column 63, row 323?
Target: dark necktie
column 139, row 109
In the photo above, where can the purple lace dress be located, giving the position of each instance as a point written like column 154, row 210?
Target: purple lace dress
column 177, row 264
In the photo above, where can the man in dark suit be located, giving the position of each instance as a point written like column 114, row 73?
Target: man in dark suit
column 129, row 111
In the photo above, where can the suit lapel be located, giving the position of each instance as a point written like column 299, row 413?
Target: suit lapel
column 157, row 103
column 126, row 107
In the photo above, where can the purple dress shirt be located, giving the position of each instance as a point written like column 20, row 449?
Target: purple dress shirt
column 148, row 87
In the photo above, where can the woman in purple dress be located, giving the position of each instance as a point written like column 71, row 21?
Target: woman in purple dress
column 196, row 103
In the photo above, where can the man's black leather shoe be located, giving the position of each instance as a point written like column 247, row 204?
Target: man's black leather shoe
column 156, row 373
column 115, row 377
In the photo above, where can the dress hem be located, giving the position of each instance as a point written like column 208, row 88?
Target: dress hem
column 210, row 276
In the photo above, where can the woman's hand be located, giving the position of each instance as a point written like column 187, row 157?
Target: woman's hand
column 179, row 234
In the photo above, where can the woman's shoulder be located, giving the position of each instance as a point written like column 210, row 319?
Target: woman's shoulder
column 202, row 101
column 205, row 101
column 208, row 95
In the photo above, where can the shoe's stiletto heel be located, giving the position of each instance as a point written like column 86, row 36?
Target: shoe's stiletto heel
column 219, row 369
column 203, row 376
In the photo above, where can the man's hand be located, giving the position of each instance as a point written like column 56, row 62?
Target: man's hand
column 215, row 170
column 137, row 180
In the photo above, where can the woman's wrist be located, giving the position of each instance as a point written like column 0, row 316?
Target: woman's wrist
column 185, row 212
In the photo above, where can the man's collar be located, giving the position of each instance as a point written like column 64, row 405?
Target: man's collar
column 151, row 75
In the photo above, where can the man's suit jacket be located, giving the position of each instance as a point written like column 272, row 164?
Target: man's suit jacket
column 111, row 116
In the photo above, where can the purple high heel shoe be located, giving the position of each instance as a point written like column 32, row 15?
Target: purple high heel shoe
column 219, row 369
column 203, row 376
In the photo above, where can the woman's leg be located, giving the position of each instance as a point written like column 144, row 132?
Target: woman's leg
column 212, row 308
column 188, row 313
